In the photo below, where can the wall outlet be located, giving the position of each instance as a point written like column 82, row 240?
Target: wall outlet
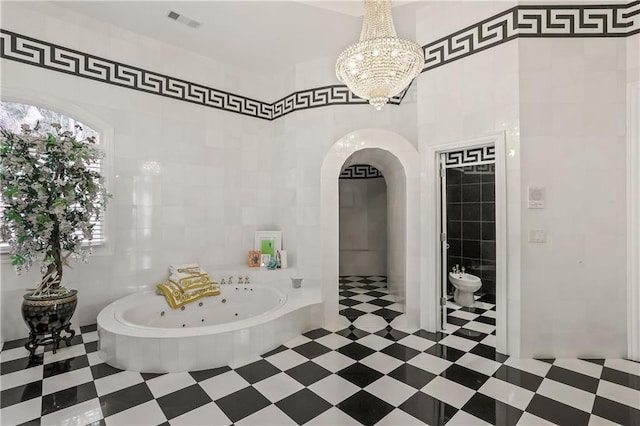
column 537, row 236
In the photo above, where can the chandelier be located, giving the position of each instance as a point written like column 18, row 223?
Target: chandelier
column 380, row 65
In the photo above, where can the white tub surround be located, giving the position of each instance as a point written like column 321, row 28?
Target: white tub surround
column 141, row 333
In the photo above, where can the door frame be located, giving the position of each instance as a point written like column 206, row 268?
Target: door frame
column 433, row 163
column 633, row 221
column 444, row 242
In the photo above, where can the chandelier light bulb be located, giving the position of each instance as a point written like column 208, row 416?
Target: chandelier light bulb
column 380, row 65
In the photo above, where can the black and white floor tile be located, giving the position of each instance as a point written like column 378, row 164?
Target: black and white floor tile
column 381, row 376
column 362, row 295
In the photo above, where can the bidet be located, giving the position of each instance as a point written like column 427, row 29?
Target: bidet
column 465, row 285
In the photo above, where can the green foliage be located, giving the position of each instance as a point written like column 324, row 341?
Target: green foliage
column 52, row 191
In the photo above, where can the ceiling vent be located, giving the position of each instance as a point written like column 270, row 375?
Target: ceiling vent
column 183, row 19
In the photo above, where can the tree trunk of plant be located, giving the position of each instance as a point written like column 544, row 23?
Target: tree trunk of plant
column 53, row 277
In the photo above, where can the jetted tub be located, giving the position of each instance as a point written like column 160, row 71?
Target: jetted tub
column 140, row 332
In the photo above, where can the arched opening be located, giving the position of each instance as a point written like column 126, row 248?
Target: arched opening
column 369, row 233
column 398, row 161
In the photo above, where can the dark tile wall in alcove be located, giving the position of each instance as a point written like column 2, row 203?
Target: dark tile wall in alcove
column 471, row 226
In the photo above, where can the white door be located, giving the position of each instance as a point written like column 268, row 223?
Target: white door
column 444, row 245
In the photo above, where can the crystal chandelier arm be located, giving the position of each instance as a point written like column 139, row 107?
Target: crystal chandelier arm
column 378, row 21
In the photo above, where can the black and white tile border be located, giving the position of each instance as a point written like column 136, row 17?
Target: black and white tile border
column 614, row 20
column 319, row 97
column 20, row 48
column 465, row 157
column 360, row 171
column 17, row 47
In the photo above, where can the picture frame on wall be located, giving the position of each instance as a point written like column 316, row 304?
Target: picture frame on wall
column 268, row 242
column 255, row 256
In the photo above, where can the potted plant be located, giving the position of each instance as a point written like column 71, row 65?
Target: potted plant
column 53, row 194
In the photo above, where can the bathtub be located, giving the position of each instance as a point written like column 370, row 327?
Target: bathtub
column 140, row 332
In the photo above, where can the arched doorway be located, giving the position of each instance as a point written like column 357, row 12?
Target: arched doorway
column 398, row 160
column 365, row 288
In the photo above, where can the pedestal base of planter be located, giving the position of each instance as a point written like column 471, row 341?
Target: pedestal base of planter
column 48, row 318
column 54, row 337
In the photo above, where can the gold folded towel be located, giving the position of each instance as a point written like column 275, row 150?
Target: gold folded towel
column 186, row 284
column 177, row 298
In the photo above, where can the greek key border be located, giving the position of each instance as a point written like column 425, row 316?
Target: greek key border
column 470, row 156
column 20, row 48
column 615, row 20
column 28, row 50
column 360, row 171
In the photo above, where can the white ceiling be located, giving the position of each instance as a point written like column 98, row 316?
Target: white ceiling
column 262, row 36
column 348, row 7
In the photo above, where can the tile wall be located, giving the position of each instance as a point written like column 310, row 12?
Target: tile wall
column 573, row 144
column 471, row 227
column 209, row 188
column 363, row 226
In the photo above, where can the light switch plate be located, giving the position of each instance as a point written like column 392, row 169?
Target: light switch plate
column 536, row 197
column 537, row 236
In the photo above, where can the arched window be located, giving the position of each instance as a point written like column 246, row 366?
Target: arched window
column 13, row 115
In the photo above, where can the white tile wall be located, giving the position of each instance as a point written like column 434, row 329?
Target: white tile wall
column 573, row 143
column 632, row 58
column 561, row 104
column 363, row 227
column 212, row 190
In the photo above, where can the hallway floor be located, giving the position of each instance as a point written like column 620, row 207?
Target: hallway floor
column 351, row 376
column 361, row 295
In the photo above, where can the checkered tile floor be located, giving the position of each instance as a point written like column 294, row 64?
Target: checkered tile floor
column 361, row 295
column 475, row 322
column 351, row 376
